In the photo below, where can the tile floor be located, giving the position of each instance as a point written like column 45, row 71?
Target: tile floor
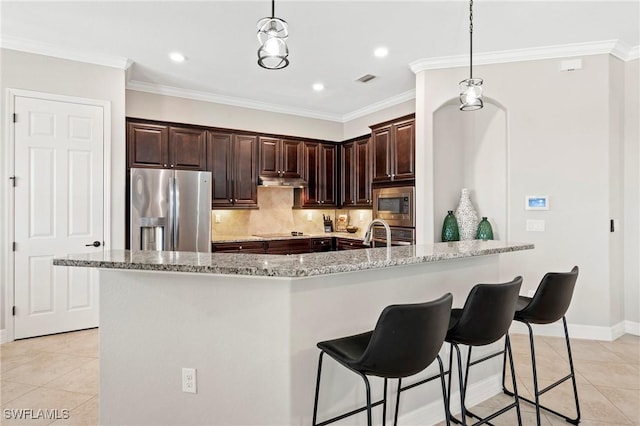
column 60, row 372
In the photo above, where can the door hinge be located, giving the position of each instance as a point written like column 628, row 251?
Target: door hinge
column 13, row 311
column 13, row 180
column 15, row 117
column 14, row 245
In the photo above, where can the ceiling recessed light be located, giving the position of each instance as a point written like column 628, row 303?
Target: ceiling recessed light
column 177, row 57
column 381, row 52
column 318, row 87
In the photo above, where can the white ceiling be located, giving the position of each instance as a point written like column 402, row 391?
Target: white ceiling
column 330, row 42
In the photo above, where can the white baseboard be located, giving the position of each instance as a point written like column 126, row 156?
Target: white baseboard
column 578, row 331
column 433, row 413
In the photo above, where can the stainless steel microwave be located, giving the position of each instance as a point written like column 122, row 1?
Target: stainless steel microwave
column 395, row 205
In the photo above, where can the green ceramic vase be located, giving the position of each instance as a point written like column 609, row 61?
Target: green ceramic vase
column 484, row 230
column 450, row 231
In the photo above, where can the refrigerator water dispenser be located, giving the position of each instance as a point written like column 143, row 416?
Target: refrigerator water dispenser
column 152, row 233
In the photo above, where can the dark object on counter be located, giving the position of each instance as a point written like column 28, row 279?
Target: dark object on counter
column 399, row 346
column 450, row 231
column 296, row 233
column 484, row 230
column 548, row 305
column 328, row 223
column 352, row 229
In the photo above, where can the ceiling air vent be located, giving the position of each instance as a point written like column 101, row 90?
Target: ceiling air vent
column 366, row 78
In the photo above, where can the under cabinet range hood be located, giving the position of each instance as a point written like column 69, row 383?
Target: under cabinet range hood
column 283, row 182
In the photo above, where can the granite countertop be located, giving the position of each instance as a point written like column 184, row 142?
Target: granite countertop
column 304, row 265
column 245, row 238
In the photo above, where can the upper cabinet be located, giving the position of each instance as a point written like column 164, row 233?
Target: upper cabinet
column 319, row 170
column 163, row 146
column 232, row 160
column 393, row 145
column 355, row 166
column 280, row 157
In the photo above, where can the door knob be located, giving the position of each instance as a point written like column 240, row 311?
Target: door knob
column 95, row 244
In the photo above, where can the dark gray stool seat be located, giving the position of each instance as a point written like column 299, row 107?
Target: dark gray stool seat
column 548, row 305
column 405, row 341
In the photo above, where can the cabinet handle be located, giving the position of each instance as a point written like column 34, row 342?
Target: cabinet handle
column 231, row 200
column 164, row 165
column 240, row 247
column 235, row 201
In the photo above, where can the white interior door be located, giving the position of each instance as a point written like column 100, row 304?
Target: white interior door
column 59, row 164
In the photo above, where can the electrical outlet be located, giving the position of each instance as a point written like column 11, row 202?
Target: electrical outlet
column 189, row 380
column 309, row 216
column 217, row 218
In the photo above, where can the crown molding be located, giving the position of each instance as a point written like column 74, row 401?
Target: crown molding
column 24, row 45
column 378, row 106
column 197, row 95
column 612, row 47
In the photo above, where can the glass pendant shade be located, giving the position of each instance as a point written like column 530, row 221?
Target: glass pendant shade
column 273, row 51
column 471, row 94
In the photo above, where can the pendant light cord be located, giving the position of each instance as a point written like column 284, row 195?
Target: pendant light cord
column 273, row 8
column 470, row 39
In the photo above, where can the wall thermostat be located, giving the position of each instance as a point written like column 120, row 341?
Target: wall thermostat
column 536, row 202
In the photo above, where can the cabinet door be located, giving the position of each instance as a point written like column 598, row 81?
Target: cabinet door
column 245, row 167
column 270, row 157
column 347, row 174
column 187, row 148
column 148, row 145
column 381, row 139
column 362, row 173
column 291, row 159
column 403, row 150
column 219, row 164
column 327, row 173
column 288, row 246
column 311, row 168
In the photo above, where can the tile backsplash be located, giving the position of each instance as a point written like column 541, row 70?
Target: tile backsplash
column 275, row 215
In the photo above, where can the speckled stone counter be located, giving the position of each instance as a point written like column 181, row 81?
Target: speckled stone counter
column 303, row 265
column 249, row 325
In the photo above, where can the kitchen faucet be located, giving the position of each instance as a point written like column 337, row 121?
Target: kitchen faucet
column 368, row 236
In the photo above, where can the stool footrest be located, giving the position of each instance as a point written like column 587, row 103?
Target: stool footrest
column 485, row 420
column 350, row 413
column 422, row 382
column 568, row 419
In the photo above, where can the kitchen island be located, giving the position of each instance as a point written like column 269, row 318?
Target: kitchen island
column 249, row 324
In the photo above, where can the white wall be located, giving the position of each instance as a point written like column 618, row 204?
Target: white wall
column 39, row 73
column 559, row 131
column 182, row 110
column 631, row 223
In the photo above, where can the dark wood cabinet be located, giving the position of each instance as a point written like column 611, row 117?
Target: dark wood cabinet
column 294, row 246
column 232, row 160
column 321, row 244
column 393, row 146
column 349, row 244
column 187, row 148
column 162, row 146
column 280, row 157
column 147, row 145
column 355, row 174
column 256, row 247
column 319, row 170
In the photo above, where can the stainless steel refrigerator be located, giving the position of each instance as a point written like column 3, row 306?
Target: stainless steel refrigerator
column 170, row 210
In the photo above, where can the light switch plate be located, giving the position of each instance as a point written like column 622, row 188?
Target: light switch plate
column 535, row 225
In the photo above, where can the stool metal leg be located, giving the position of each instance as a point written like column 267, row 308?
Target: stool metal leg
column 445, row 396
column 395, row 417
column 315, row 402
column 538, row 392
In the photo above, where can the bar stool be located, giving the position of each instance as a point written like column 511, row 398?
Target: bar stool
column 484, row 319
column 405, row 341
column 549, row 303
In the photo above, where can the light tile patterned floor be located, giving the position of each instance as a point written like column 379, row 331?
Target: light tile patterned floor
column 60, row 372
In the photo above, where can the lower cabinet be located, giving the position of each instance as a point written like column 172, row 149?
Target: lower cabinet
column 257, row 247
column 349, row 244
column 288, row 246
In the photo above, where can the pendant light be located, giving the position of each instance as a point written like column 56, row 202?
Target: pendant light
column 272, row 35
column 471, row 88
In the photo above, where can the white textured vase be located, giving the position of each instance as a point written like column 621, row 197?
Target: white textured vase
column 467, row 217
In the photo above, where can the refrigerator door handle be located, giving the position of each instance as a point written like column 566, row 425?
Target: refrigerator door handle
column 176, row 213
